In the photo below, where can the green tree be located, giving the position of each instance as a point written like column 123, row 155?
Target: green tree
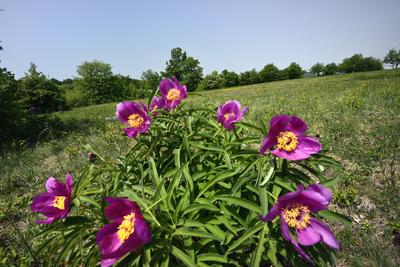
column 129, row 88
column 212, row 81
column 40, row 94
column 392, row 58
column 352, row 64
column 330, row 69
column 371, row 63
column 293, row 71
column 269, row 73
column 230, row 78
column 11, row 114
column 358, row 63
column 318, row 68
column 151, row 80
column 184, row 68
column 98, row 83
column 249, row 77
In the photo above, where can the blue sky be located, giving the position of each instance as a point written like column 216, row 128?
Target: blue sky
column 238, row 35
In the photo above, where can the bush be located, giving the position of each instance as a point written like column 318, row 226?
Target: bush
column 269, row 73
column 201, row 189
column 293, row 71
column 357, row 63
column 211, row 81
column 39, row 94
column 11, row 113
column 230, row 78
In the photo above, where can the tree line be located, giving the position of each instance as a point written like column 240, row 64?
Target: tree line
column 95, row 83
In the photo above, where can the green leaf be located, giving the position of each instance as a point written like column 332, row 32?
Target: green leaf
column 184, row 231
column 239, row 202
column 256, row 259
column 331, row 215
column 249, row 125
column 198, row 207
column 221, row 176
column 272, row 252
column 153, row 93
column 268, row 176
column 215, row 230
column 89, row 200
column 182, row 256
column 331, row 182
column 249, row 233
column 213, row 257
column 263, row 195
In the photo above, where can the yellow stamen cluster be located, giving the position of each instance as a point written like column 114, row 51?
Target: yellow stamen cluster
column 173, row 94
column 126, row 228
column 297, row 216
column 59, row 202
column 287, row 141
column 135, row 120
column 228, row 115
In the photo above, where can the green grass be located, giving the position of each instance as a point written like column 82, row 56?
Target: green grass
column 356, row 116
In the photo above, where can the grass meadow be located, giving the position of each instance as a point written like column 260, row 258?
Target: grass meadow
column 356, row 116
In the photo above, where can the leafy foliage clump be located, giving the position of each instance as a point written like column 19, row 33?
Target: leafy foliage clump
column 201, row 188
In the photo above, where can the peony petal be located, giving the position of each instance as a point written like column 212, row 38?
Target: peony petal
column 297, row 125
column 273, row 212
column 314, row 200
column 182, row 89
column 108, row 262
column 267, row 143
column 53, row 186
column 325, row 192
column 142, row 231
column 285, row 231
column 165, row 86
column 294, row 155
column 308, row 236
column 119, row 207
column 309, row 145
column 43, row 203
column 327, row 236
column 124, row 110
column 288, row 237
column 278, row 124
column 48, row 220
column 107, row 239
column 69, row 181
column 131, row 132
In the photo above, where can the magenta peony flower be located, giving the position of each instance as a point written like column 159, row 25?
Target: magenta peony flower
column 294, row 210
column 134, row 115
column 287, row 133
column 54, row 204
column 172, row 92
column 230, row 113
column 157, row 103
column 127, row 231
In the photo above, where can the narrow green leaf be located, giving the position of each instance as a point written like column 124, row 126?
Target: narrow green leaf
column 184, row 231
column 198, row 207
column 182, row 256
column 247, row 204
column 268, row 176
column 89, row 200
column 331, row 215
column 256, row 259
column 213, row 257
column 221, row 176
column 249, row 233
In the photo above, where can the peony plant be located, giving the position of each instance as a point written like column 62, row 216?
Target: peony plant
column 197, row 189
